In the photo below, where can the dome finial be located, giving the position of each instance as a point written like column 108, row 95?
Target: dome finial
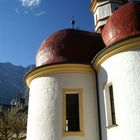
column 73, row 22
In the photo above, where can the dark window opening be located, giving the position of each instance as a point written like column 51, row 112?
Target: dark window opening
column 72, row 112
column 112, row 105
column 116, row 8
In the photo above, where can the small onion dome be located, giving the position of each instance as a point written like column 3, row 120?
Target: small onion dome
column 69, row 46
column 124, row 22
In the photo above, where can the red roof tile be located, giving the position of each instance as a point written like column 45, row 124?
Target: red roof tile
column 124, row 22
column 69, row 46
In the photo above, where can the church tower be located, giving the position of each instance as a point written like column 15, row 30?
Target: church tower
column 118, row 75
column 102, row 10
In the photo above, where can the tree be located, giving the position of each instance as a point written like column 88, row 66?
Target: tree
column 12, row 124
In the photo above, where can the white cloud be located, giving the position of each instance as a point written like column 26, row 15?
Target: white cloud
column 40, row 14
column 30, row 3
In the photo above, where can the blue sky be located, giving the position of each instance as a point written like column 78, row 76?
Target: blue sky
column 24, row 24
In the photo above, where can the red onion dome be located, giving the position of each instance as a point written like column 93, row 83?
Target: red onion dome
column 124, row 22
column 69, row 46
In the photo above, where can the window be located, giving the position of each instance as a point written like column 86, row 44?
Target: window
column 112, row 104
column 72, row 112
column 116, row 8
column 109, row 106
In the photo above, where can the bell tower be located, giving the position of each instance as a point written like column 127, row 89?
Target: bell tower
column 102, row 10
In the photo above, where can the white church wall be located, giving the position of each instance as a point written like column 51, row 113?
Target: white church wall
column 45, row 106
column 122, row 70
column 102, row 12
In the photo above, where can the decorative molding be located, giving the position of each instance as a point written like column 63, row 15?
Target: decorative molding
column 103, row 19
column 119, row 47
column 55, row 69
column 93, row 5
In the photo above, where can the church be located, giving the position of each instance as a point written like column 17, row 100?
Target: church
column 86, row 85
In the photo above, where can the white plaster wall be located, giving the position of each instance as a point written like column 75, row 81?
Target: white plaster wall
column 103, row 10
column 123, row 70
column 45, row 106
column 101, row 13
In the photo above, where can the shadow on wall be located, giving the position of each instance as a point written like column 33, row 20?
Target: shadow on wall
column 102, row 78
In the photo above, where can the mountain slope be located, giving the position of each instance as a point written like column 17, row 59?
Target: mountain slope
column 11, row 81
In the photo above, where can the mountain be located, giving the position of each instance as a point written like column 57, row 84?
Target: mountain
column 11, row 81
